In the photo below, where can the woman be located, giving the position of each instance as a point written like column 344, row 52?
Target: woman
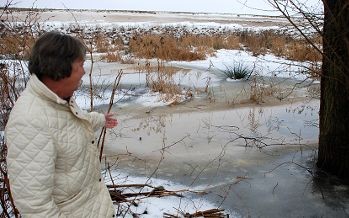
column 52, row 159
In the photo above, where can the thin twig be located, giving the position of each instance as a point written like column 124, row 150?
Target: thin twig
column 111, row 103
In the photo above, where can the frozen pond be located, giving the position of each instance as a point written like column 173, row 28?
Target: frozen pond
column 252, row 161
column 238, row 134
column 212, row 144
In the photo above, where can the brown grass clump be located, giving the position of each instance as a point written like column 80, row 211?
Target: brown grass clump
column 214, row 42
column 281, row 45
column 159, row 67
column 164, row 47
column 164, row 85
column 257, row 43
column 16, row 46
column 112, row 57
column 117, row 57
column 101, row 43
column 300, row 50
column 161, row 80
column 234, row 42
column 260, row 91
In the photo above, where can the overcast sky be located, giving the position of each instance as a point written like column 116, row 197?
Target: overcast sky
column 222, row 6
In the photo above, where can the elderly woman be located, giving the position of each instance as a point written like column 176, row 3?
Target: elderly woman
column 53, row 162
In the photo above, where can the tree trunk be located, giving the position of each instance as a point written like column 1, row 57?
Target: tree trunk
column 333, row 156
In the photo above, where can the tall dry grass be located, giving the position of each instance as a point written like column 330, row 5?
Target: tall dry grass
column 259, row 91
column 195, row 47
column 103, row 42
column 14, row 46
column 159, row 78
column 282, row 45
column 164, row 47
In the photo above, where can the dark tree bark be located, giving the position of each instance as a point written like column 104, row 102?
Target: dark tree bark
column 333, row 156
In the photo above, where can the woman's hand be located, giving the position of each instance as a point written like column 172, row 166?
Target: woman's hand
column 110, row 122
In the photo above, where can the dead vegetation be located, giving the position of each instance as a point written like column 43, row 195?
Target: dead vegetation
column 191, row 47
column 161, row 80
column 164, row 43
column 8, row 95
column 212, row 213
column 119, row 196
column 15, row 45
column 260, row 91
column 164, row 47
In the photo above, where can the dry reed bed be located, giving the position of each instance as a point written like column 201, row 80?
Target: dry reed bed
column 170, row 42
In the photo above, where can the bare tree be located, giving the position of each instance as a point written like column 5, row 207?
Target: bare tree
column 333, row 26
column 334, row 100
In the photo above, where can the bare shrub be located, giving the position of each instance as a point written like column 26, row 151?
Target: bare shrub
column 11, row 84
column 17, row 36
column 16, row 41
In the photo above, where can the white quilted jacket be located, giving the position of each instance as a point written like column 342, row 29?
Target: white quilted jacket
column 53, row 162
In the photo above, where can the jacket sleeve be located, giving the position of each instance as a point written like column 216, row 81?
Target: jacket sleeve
column 97, row 120
column 31, row 167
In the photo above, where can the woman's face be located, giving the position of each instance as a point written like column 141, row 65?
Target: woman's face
column 71, row 84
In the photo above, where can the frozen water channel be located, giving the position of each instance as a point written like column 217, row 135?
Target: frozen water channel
column 252, row 161
column 204, row 135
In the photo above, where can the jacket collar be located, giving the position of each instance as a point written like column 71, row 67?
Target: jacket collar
column 41, row 89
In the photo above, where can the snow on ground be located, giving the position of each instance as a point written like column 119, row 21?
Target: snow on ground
column 202, row 73
column 263, row 65
column 185, row 26
column 154, row 206
column 118, row 22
